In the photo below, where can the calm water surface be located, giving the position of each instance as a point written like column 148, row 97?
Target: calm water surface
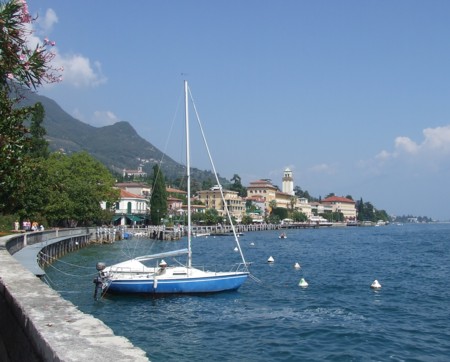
column 337, row 318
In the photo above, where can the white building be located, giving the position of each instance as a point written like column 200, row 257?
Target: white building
column 288, row 182
column 131, row 209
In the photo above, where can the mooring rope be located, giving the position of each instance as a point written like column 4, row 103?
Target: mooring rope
column 64, row 262
column 72, row 275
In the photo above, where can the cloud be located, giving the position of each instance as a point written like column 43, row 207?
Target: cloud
column 405, row 144
column 104, row 118
column 98, row 119
column 383, row 155
column 76, row 113
column 436, row 142
column 432, row 153
column 79, row 71
column 437, row 139
column 46, row 23
column 323, row 168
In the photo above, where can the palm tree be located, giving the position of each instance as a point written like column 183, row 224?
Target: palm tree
column 272, row 205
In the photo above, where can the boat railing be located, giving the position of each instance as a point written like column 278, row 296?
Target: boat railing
column 235, row 268
column 127, row 270
column 240, row 268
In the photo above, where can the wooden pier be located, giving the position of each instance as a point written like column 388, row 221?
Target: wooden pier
column 177, row 232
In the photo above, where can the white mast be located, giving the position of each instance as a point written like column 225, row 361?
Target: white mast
column 188, row 172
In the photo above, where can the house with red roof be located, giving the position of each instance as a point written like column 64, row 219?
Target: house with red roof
column 131, row 209
column 341, row 204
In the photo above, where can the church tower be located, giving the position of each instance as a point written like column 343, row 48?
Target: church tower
column 288, row 182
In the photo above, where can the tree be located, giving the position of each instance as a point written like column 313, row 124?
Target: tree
column 212, row 217
column 237, row 186
column 247, row 220
column 280, row 212
column 20, row 67
column 272, row 205
column 38, row 144
column 273, row 219
column 292, row 202
column 298, row 216
column 305, row 194
column 12, row 151
column 334, row 216
column 33, row 184
column 158, row 198
column 365, row 210
column 79, row 183
column 207, row 184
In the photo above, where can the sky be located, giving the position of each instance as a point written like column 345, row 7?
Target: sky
column 352, row 96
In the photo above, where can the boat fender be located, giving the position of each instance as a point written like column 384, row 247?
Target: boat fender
column 155, row 283
column 303, row 283
column 375, row 285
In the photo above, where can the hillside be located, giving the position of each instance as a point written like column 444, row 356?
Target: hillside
column 117, row 146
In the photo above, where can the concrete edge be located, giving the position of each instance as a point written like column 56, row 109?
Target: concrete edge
column 54, row 327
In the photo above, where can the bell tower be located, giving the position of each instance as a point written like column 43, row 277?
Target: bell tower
column 288, row 182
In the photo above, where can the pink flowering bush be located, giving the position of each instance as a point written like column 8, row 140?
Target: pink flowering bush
column 20, row 66
column 27, row 66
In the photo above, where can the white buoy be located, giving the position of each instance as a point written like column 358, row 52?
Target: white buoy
column 303, row 283
column 297, row 266
column 375, row 285
column 236, row 249
column 252, row 243
column 271, row 259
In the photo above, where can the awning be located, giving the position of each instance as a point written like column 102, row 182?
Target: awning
column 135, row 218
column 115, row 218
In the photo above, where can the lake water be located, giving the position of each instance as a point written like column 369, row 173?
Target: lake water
column 338, row 317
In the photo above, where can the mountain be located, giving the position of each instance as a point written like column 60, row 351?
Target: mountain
column 117, row 146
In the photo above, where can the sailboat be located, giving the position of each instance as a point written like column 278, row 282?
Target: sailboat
column 134, row 276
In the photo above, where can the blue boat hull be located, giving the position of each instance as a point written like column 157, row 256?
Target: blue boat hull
column 210, row 284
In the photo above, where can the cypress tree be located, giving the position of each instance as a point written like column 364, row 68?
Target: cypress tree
column 158, row 200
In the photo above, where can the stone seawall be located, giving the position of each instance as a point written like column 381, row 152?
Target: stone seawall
column 36, row 324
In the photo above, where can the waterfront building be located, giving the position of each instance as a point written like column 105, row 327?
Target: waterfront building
column 174, row 204
column 341, row 204
column 304, row 206
column 264, row 190
column 137, row 188
column 318, row 208
column 257, row 214
column 130, row 209
column 174, row 192
column 212, row 199
column 285, row 200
